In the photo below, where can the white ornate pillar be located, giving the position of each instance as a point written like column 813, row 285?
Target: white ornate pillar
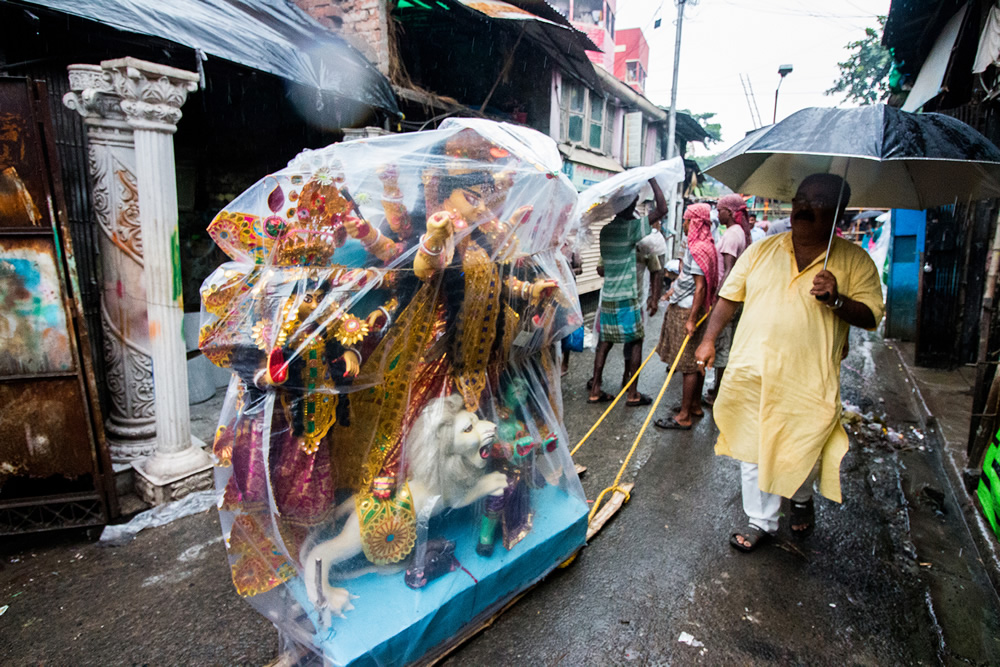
column 131, row 423
column 151, row 98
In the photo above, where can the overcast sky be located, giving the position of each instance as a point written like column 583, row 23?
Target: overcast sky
column 724, row 38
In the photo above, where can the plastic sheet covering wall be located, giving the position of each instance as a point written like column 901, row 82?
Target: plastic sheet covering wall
column 268, row 35
column 392, row 455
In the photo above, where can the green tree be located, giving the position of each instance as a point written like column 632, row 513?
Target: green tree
column 714, row 130
column 709, row 186
column 864, row 76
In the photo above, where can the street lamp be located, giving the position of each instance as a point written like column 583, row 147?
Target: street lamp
column 783, row 70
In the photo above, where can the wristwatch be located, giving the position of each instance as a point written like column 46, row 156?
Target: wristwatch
column 836, row 304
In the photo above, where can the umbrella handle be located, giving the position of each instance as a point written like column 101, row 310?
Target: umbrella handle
column 833, row 230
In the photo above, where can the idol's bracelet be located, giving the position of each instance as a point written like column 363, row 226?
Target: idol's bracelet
column 427, row 250
column 836, row 304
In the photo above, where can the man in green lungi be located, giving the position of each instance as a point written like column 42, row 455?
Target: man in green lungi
column 621, row 312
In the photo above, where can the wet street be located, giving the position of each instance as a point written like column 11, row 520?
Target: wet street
column 889, row 577
column 858, row 591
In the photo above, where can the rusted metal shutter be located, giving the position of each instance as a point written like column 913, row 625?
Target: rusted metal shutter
column 56, row 472
column 71, row 146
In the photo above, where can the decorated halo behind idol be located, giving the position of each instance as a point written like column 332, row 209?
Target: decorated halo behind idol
column 392, row 456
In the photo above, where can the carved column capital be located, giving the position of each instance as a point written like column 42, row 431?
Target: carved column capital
column 92, row 95
column 151, row 94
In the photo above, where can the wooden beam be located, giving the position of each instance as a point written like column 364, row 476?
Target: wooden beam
column 609, row 510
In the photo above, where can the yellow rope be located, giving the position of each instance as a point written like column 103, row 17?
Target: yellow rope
column 613, row 404
column 614, row 486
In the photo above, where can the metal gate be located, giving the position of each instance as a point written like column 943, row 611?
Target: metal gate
column 54, row 467
column 955, row 252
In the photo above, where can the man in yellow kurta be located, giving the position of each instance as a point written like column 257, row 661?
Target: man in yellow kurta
column 778, row 409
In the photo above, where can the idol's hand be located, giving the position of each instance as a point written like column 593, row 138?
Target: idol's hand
column 520, row 217
column 440, row 227
column 541, row 289
column 356, row 227
column 352, row 363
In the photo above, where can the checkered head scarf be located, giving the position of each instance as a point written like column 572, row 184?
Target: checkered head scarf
column 735, row 205
column 702, row 247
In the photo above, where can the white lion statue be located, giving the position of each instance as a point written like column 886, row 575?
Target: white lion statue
column 446, row 453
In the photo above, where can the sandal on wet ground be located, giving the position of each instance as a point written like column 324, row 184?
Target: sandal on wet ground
column 643, row 400
column 802, row 514
column 605, row 397
column 671, row 424
column 752, row 535
column 677, row 408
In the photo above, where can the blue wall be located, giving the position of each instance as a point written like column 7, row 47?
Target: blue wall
column 905, row 263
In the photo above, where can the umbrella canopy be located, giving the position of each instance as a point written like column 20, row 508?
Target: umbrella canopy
column 866, row 215
column 892, row 158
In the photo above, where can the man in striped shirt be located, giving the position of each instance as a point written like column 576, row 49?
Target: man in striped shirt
column 621, row 312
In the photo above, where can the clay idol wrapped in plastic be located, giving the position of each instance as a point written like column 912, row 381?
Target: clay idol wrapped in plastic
column 392, row 457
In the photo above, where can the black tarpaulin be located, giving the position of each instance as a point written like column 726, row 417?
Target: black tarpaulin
column 267, row 35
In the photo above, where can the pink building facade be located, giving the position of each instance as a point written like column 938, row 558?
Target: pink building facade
column 596, row 18
column 631, row 58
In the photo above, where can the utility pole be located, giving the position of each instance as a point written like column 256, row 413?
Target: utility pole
column 672, row 123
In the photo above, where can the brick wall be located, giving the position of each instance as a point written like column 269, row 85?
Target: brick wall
column 362, row 23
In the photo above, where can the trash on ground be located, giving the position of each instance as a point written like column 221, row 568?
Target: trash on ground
column 685, row 638
column 895, row 437
column 194, row 503
column 4, row 609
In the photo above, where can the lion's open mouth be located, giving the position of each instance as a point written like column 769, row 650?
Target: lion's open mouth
column 486, row 443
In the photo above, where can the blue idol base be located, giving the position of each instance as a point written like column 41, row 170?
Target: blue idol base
column 392, row 624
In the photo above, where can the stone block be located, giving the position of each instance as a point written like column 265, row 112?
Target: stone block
column 155, row 494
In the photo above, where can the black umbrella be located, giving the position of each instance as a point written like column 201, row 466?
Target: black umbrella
column 891, row 158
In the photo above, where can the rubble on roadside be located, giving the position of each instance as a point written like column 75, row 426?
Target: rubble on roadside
column 871, row 428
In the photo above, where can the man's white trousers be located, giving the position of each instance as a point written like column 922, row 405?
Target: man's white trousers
column 762, row 508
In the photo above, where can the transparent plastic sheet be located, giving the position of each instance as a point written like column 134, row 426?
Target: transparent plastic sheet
column 602, row 201
column 123, row 533
column 270, row 35
column 393, row 460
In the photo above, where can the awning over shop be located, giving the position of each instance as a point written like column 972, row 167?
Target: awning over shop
column 583, row 156
column 584, row 168
column 553, row 26
column 928, row 83
column 546, row 28
column 267, row 35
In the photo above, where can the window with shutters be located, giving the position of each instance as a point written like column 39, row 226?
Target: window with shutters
column 574, row 111
column 596, row 121
column 635, row 73
column 609, row 128
column 587, row 117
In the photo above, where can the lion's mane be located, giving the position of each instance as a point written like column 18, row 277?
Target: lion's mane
column 430, row 455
